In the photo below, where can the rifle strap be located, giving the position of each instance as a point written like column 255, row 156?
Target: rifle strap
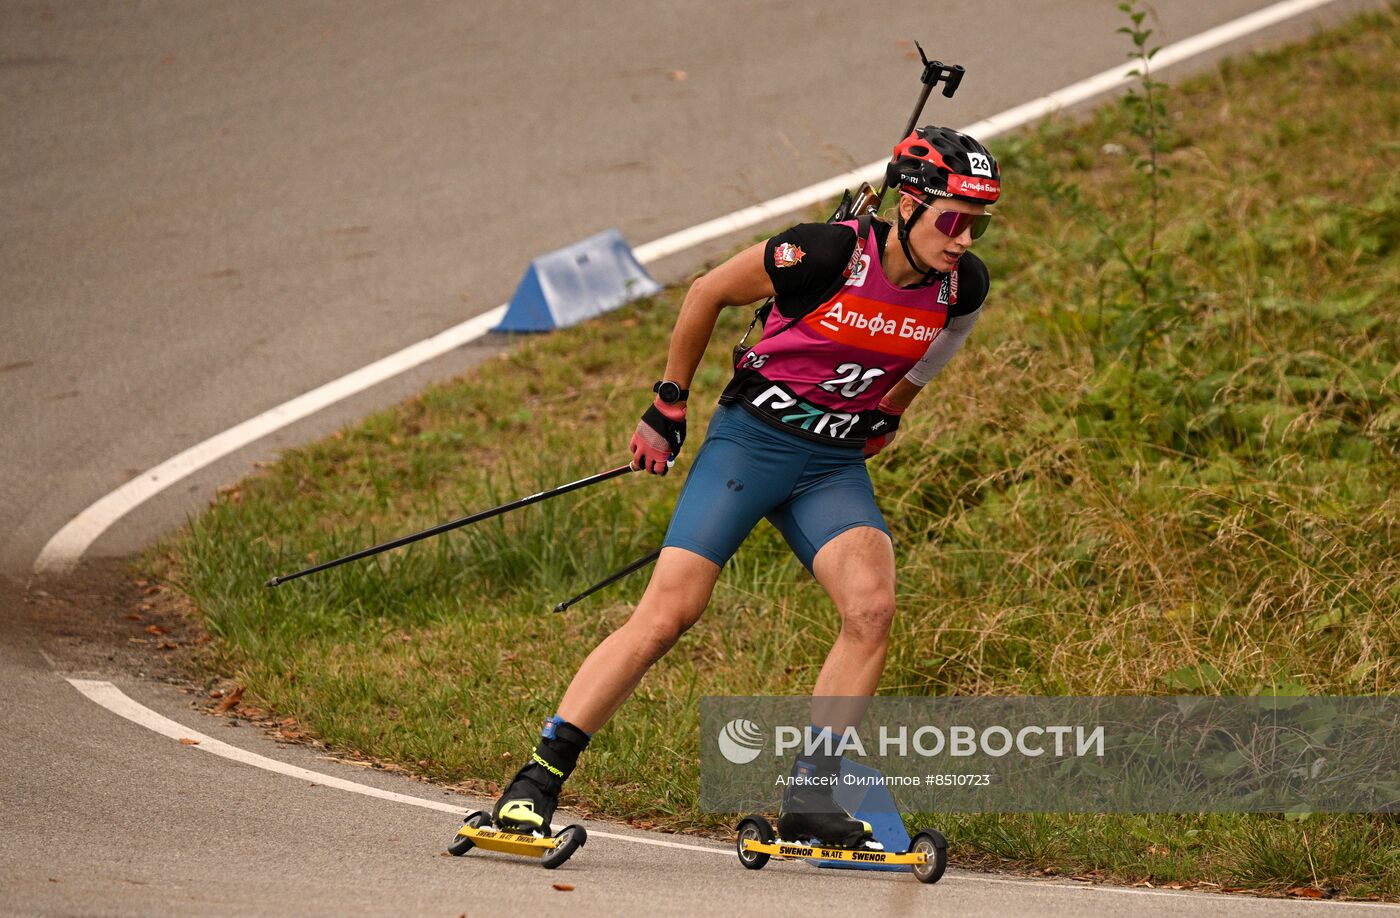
column 760, row 315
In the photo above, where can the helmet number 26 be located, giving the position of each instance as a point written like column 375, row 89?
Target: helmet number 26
column 853, row 379
column 979, row 164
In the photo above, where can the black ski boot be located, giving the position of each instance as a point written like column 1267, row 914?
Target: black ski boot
column 811, row 813
column 529, row 801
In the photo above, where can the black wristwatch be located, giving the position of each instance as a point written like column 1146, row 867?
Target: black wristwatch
column 670, row 392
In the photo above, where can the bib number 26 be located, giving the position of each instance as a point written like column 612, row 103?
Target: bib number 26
column 852, row 379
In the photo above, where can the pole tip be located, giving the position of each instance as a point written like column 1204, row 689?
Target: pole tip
column 561, row 607
column 272, row 582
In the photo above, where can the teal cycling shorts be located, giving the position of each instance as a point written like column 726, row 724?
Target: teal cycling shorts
column 747, row 470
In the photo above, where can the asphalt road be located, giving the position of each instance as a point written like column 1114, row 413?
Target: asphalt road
column 105, row 817
column 209, row 209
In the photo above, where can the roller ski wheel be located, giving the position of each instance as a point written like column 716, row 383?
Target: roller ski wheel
column 461, row 844
column 934, row 847
column 567, row 840
column 754, row 829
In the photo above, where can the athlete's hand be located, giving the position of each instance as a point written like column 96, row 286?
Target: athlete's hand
column 880, row 425
column 873, row 445
column 659, row 436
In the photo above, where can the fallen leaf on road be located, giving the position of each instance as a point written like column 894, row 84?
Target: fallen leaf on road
column 678, row 75
column 154, row 629
column 1306, row 892
column 564, row 887
column 186, row 741
column 229, row 700
column 166, row 645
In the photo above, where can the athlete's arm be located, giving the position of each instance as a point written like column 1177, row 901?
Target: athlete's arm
column 900, row 397
column 740, row 280
column 896, row 401
column 941, row 350
column 974, row 281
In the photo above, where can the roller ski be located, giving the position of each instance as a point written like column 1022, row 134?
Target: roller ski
column 757, row 843
column 520, row 823
column 815, row 828
column 552, row 850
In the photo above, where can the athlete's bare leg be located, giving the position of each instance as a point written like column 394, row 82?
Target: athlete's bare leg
column 675, row 598
column 857, row 570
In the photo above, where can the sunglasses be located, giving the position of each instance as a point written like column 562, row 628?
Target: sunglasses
column 954, row 223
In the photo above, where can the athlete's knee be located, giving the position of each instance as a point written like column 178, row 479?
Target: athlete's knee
column 868, row 617
column 679, row 588
column 655, row 634
column 678, row 593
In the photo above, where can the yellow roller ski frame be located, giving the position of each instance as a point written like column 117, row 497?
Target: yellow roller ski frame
column 477, row 832
column 757, row 843
column 782, row 849
column 508, row 842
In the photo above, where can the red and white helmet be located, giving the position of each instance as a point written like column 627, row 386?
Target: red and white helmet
column 939, row 162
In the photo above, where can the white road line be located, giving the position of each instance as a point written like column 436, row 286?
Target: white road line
column 67, row 546
column 118, row 702
column 994, row 126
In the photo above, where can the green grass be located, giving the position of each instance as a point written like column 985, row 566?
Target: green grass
column 1223, row 519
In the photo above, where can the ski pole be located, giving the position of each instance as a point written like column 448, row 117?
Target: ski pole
column 458, row 523
column 613, row 578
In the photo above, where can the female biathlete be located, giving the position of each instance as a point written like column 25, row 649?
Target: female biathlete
column 863, row 318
